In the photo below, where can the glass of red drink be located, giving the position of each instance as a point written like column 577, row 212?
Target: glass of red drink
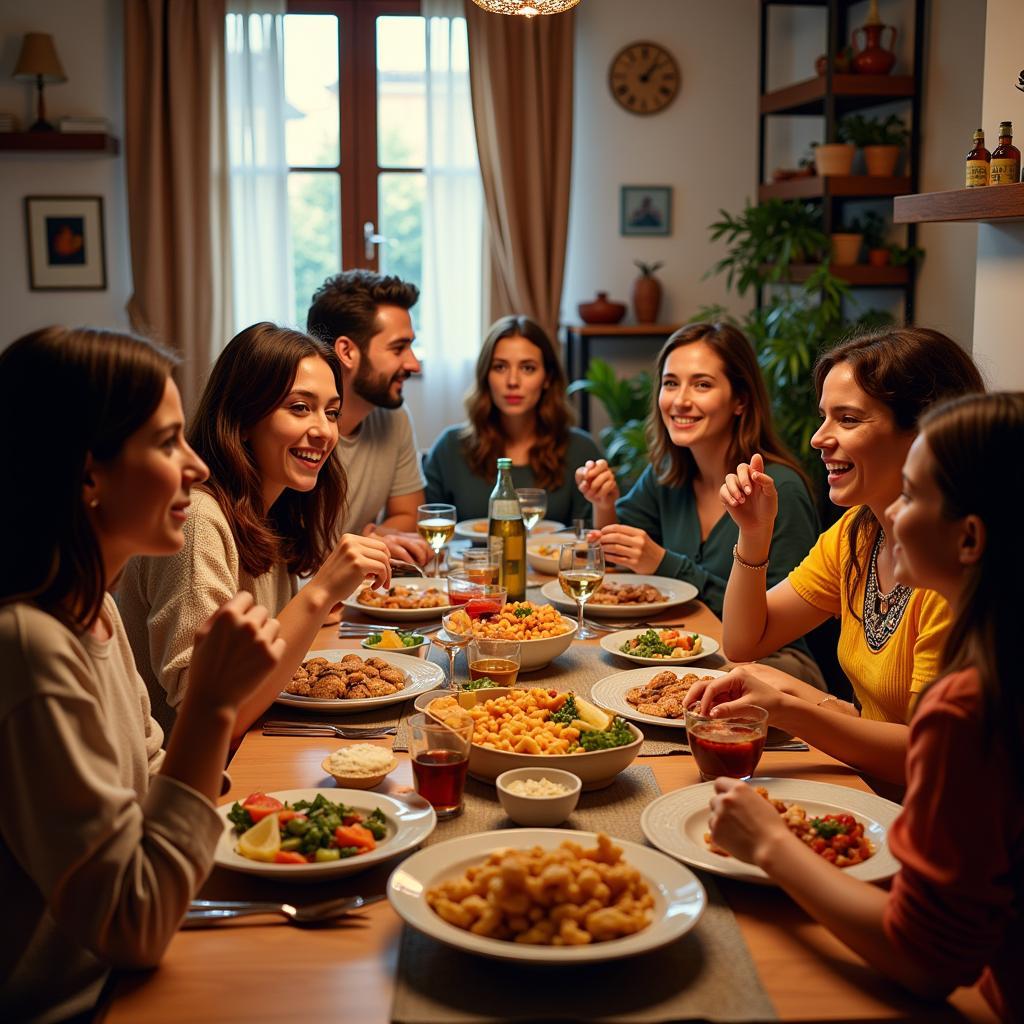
column 730, row 745
column 440, row 760
column 479, row 599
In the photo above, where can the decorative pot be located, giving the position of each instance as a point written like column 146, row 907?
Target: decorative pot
column 846, row 248
column 878, row 257
column 601, row 310
column 834, row 157
column 871, row 57
column 881, row 160
column 646, row 299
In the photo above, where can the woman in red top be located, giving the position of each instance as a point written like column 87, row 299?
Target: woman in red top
column 955, row 908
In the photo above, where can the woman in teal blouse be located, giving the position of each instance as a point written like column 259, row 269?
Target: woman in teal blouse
column 517, row 410
column 711, row 404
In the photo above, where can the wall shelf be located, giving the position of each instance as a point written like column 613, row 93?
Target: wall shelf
column 834, row 185
column 58, row 142
column 996, row 203
column 859, row 275
column 851, row 92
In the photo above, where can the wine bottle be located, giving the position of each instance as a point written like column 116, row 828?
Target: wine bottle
column 505, row 520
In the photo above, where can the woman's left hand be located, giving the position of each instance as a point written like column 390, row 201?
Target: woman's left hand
column 743, row 822
column 626, row 545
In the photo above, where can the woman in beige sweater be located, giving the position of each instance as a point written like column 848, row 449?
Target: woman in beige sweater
column 104, row 839
column 266, row 425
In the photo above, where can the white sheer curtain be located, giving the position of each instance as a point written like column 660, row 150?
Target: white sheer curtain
column 449, row 314
column 260, row 236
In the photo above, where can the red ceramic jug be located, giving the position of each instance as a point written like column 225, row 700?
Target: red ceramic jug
column 872, row 58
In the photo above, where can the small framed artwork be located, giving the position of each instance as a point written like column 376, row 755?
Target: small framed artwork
column 645, row 210
column 66, row 250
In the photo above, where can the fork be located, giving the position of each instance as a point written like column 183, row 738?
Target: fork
column 607, row 625
column 201, row 912
column 326, row 729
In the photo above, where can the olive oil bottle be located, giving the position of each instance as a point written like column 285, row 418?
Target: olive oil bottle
column 505, row 520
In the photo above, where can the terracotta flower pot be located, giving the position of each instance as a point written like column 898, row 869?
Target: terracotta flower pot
column 845, row 248
column 834, row 157
column 646, row 299
column 881, row 160
column 878, row 257
column 601, row 310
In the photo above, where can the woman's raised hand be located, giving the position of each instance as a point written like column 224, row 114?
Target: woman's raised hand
column 744, row 685
column 743, row 822
column 235, row 649
column 353, row 560
column 626, row 545
column 749, row 496
column 597, row 483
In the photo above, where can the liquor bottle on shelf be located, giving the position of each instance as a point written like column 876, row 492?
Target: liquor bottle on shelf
column 1005, row 166
column 978, row 160
column 505, row 520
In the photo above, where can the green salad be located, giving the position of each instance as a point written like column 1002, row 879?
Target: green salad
column 483, row 683
column 387, row 639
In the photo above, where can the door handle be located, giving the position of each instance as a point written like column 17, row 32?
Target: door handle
column 371, row 239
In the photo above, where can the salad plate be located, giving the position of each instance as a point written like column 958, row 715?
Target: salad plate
column 610, row 693
column 613, row 643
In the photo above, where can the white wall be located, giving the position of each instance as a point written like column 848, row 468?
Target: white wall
column 88, row 38
column 1000, row 267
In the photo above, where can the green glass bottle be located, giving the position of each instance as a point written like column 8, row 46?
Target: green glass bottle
column 505, row 520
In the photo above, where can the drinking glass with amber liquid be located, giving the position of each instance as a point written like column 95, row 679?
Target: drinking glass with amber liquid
column 436, row 524
column 580, row 573
column 497, row 660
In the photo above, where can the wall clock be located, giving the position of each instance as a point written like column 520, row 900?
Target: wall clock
column 644, row 78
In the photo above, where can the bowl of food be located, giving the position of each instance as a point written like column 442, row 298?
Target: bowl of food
column 360, row 765
column 538, row 797
column 404, row 641
column 542, row 728
column 542, row 552
column 543, row 632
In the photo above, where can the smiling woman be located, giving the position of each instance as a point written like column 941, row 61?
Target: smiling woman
column 267, row 425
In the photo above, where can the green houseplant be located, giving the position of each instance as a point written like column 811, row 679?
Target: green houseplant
column 879, row 139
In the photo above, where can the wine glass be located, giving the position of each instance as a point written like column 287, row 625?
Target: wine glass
column 580, row 572
column 534, row 503
column 452, row 640
column 436, row 524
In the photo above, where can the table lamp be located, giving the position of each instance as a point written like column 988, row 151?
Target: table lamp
column 38, row 61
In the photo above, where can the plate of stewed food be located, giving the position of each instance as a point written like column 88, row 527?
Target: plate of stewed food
column 626, row 594
column 673, row 645
column 542, row 631
column 476, row 529
column 308, row 835
column 844, row 826
column 547, row 896
column 409, row 598
column 651, row 696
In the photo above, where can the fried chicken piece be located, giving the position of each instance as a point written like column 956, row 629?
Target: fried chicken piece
column 394, row 676
column 671, row 707
column 358, row 691
column 328, row 687
column 379, row 688
column 378, row 663
column 636, row 695
column 351, row 663
column 315, row 666
column 370, row 672
column 298, row 687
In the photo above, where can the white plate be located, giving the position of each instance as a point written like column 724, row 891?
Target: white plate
column 679, row 898
column 404, row 614
column 422, row 676
column 611, row 691
column 676, row 592
column 677, row 821
column 470, row 529
column 410, row 820
column 547, row 564
column 613, row 641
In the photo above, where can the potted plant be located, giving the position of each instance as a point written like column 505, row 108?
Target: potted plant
column 874, row 227
column 880, row 140
column 646, row 293
column 846, row 244
column 833, row 158
column 902, row 256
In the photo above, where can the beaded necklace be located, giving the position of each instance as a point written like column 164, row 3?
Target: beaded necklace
column 882, row 612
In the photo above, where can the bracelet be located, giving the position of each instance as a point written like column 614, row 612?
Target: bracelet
column 747, row 565
column 842, row 707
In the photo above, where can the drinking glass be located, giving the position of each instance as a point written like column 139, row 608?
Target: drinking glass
column 436, row 524
column 498, row 660
column 729, row 746
column 580, row 572
column 440, row 760
column 479, row 600
column 453, row 641
column 534, row 503
column 481, row 565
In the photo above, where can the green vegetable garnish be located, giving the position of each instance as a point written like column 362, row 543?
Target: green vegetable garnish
column 522, row 613
column 240, row 818
column 567, row 712
column 408, row 637
column 828, row 829
column 483, row 683
column 618, row 734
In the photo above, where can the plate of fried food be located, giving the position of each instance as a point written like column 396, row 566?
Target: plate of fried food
column 626, row 594
column 543, row 633
column 649, row 695
column 846, row 826
column 669, row 646
column 343, row 682
column 513, row 894
column 476, row 529
column 409, row 598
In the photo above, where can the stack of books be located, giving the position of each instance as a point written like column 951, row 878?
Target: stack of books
column 8, row 123
column 99, row 125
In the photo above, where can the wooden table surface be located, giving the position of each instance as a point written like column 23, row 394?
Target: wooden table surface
column 251, row 969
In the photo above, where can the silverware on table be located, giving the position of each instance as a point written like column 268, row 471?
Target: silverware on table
column 355, row 628
column 345, row 732
column 608, row 626
column 204, row 912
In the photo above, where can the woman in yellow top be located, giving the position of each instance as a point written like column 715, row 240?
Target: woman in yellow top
column 871, row 390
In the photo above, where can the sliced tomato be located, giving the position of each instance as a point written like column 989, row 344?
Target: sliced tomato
column 355, row 835
column 259, row 805
column 290, row 857
column 287, row 815
column 686, row 643
column 352, row 819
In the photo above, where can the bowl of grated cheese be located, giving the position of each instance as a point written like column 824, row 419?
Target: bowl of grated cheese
column 538, row 797
column 360, row 765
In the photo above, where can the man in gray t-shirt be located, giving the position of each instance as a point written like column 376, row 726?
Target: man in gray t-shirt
column 366, row 317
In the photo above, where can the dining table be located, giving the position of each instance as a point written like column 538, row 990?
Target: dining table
column 262, row 968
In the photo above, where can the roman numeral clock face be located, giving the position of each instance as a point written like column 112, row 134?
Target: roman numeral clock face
column 644, row 78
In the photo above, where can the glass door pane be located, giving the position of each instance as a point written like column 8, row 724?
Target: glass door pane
column 401, row 92
column 400, row 202
column 314, row 212
column 311, row 75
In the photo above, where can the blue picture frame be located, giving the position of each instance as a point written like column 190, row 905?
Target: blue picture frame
column 645, row 210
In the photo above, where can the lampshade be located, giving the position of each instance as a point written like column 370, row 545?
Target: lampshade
column 39, row 57
column 526, row 8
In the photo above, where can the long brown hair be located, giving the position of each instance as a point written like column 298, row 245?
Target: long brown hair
column 753, row 430
column 249, row 381
column 907, row 369
column 483, row 441
column 66, row 394
column 970, row 439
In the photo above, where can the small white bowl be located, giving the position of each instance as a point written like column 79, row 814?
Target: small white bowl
column 359, row 781
column 416, row 650
column 539, row 811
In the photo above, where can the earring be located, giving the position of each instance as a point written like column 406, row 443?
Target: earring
column 94, row 503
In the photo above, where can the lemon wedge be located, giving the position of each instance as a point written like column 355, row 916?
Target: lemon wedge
column 262, row 841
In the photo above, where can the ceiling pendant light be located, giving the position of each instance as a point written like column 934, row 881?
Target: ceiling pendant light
column 526, row 8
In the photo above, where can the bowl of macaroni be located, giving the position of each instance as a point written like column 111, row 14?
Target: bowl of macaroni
column 543, row 632
column 538, row 797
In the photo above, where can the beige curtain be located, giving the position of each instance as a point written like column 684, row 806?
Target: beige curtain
column 176, row 160
column 521, row 73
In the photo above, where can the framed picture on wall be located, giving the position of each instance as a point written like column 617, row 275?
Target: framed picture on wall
column 66, row 250
column 645, row 210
